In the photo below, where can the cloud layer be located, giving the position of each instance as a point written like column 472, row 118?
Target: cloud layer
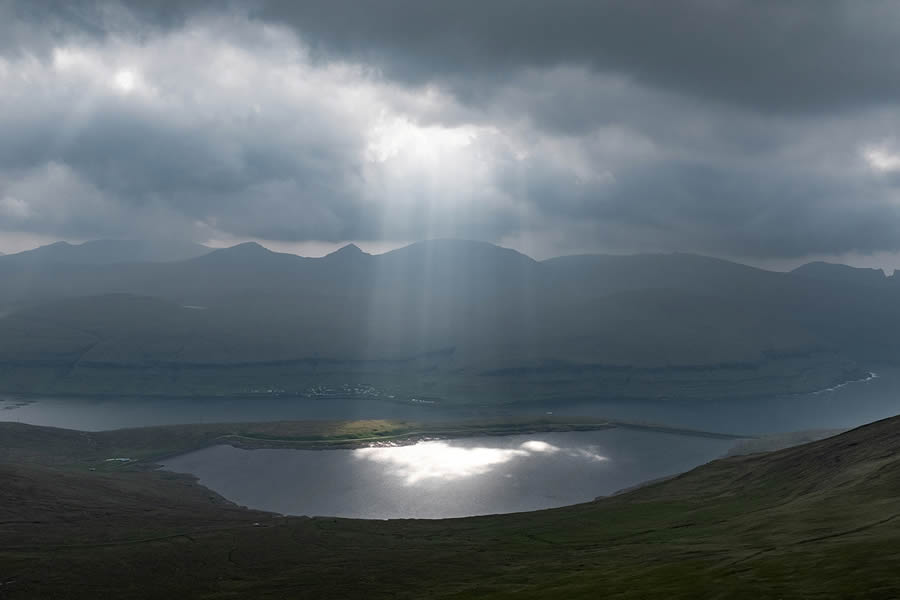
column 734, row 128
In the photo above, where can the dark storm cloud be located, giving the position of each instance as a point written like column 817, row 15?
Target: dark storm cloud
column 743, row 128
column 792, row 55
column 772, row 56
column 35, row 26
column 247, row 139
column 749, row 213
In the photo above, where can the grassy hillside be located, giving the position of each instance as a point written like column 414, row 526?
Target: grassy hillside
column 816, row 521
column 80, row 450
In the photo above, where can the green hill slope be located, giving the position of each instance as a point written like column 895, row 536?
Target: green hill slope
column 816, row 521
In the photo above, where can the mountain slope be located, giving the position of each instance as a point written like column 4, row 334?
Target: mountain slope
column 616, row 273
column 815, row 521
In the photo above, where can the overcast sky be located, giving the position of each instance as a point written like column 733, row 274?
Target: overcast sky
column 768, row 131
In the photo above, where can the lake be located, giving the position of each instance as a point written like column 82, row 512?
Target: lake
column 847, row 406
column 446, row 478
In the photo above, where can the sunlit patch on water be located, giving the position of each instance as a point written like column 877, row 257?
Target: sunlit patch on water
column 443, row 478
column 442, row 460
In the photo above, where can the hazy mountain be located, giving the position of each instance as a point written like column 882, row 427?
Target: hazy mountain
column 351, row 253
column 249, row 254
column 451, row 311
column 615, row 273
column 101, row 252
column 841, row 273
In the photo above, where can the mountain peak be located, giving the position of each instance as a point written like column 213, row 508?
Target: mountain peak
column 348, row 250
column 250, row 255
column 839, row 273
column 457, row 248
column 245, row 249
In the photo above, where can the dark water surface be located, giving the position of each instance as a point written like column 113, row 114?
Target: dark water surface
column 847, row 406
column 446, row 478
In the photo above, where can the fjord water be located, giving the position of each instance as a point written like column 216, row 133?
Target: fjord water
column 848, row 406
column 446, row 478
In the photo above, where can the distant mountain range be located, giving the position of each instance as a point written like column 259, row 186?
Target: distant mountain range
column 449, row 318
column 845, row 274
column 101, row 252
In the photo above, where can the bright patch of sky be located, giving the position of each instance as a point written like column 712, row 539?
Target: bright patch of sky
column 882, row 158
column 235, row 125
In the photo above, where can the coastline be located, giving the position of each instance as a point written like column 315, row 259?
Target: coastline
column 871, row 375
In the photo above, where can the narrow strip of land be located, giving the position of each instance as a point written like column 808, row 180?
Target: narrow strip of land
column 143, row 447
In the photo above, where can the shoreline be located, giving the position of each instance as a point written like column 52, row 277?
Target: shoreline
column 414, row 437
column 871, row 375
column 146, row 446
column 474, row 390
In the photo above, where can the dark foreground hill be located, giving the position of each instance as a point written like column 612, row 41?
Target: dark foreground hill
column 447, row 318
column 816, row 521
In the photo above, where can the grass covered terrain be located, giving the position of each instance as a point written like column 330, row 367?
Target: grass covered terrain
column 99, row 450
column 820, row 520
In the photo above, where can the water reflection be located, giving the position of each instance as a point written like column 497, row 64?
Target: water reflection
column 446, row 478
column 444, row 460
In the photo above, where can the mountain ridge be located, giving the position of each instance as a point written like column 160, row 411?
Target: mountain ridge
column 100, row 252
column 841, row 273
column 714, row 327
